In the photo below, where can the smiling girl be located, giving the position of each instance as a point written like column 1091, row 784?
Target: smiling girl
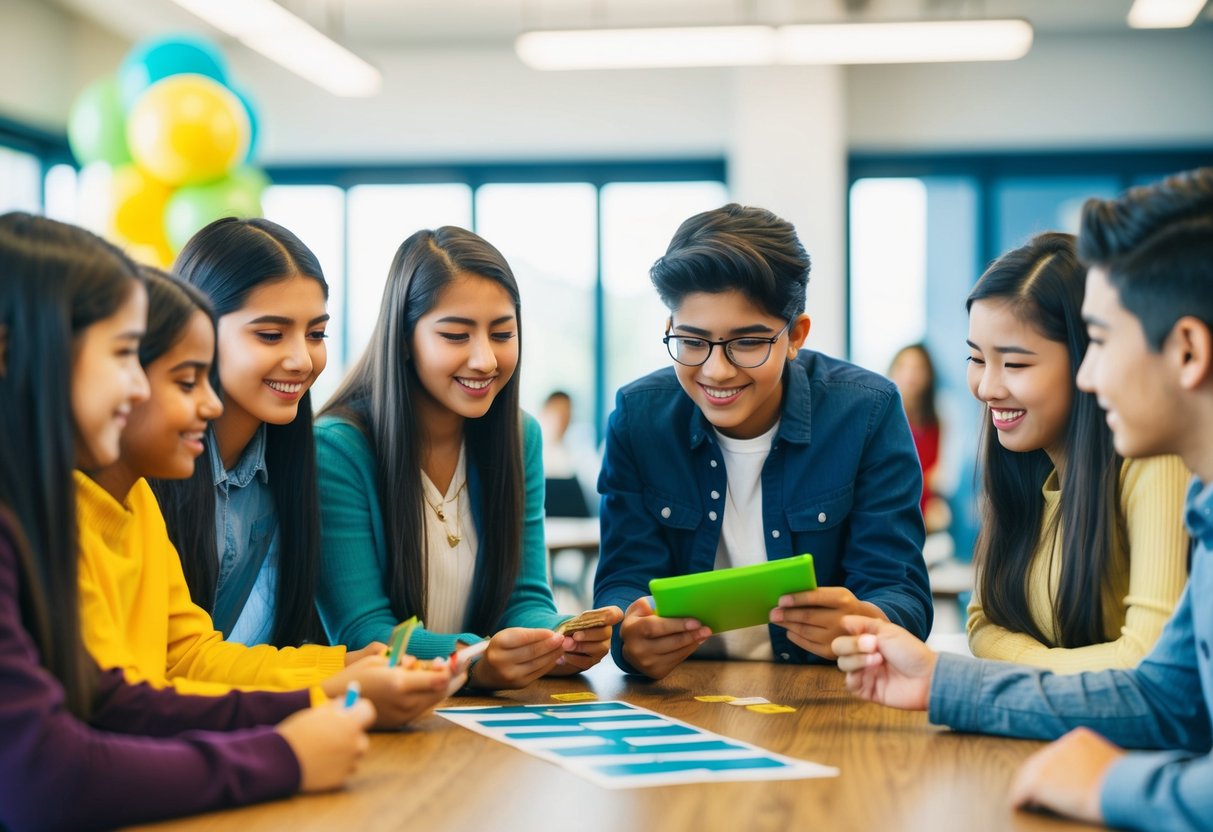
column 1082, row 555
column 246, row 523
column 82, row 747
column 135, row 604
column 433, row 479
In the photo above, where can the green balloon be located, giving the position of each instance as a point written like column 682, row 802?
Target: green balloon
column 193, row 207
column 96, row 126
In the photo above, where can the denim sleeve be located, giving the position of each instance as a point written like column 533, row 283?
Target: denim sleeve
column 1158, row 705
column 1159, row 791
column 632, row 550
column 883, row 559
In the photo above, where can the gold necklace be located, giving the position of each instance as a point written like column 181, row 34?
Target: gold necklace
column 452, row 537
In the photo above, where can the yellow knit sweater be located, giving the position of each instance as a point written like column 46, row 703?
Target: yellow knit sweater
column 1145, row 585
column 136, row 612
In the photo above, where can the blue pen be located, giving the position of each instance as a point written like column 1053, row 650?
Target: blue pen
column 352, row 690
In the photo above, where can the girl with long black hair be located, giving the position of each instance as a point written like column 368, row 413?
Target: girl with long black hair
column 1082, row 554
column 83, row 748
column 433, row 479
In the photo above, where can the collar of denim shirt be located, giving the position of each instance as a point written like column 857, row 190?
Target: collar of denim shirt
column 795, row 417
column 251, row 463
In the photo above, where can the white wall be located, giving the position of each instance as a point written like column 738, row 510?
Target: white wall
column 784, row 131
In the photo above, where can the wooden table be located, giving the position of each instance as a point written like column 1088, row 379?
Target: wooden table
column 898, row 772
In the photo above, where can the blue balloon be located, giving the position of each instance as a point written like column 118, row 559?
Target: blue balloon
column 243, row 95
column 157, row 58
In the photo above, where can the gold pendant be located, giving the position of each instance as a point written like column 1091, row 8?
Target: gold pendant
column 453, row 539
column 441, row 514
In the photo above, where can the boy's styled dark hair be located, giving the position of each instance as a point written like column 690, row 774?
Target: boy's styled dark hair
column 740, row 248
column 1156, row 243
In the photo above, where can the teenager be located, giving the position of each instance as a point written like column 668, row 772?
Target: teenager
column 432, row 475
column 751, row 449
column 1082, row 555
column 1149, row 313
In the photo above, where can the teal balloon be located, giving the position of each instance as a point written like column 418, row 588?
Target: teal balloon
column 96, row 126
column 157, row 58
column 253, row 127
column 192, row 207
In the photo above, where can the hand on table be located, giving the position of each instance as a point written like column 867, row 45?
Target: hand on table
column 656, row 645
column 328, row 742
column 585, row 648
column 1066, row 776
column 884, row 663
column 398, row 693
column 516, row 657
column 813, row 618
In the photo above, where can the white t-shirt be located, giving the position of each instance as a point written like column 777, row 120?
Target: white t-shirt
column 742, row 538
column 449, row 569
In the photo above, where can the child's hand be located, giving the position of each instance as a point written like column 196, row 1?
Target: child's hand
column 516, row 657
column 884, row 663
column 655, row 645
column 813, row 619
column 375, row 648
column 328, row 742
column 1066, row 776
column 400, row 695
column 585, row 648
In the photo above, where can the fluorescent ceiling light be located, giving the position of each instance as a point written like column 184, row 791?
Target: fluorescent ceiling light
column 829, row 43
column 637, row 48
column 291, row 42
column 905, row 43
column 1164, row 14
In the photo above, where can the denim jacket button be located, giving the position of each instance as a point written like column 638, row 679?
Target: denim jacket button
column 665, row 512
column 711, row 515
column 712, row 462
column 715, row 495
column 775, row 533
column 785, row 656
column 821, row 518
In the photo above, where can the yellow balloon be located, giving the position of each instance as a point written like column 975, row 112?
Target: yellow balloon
column 138, row 206
column 158, row 255
column 188, row 129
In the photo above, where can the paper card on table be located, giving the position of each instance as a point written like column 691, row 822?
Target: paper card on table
column 749, row 700
column 620, row 745
column 578, row 696
column 715, row 698
column 770, row 708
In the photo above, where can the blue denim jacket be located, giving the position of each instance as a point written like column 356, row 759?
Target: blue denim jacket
column 246, row 534
column 1164, row 703
column 842, row 483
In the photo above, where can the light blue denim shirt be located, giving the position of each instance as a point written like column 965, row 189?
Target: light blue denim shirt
column 1164, row 703
column 246, row 534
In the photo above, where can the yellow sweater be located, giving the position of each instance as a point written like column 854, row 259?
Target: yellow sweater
column 1146, row 584
column 136, row 612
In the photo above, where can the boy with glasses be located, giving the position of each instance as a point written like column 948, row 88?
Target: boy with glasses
column 1149, row 310
column 750, row 449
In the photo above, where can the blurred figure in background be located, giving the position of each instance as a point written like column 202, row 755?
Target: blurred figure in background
column 564, row 496
column 914, row 374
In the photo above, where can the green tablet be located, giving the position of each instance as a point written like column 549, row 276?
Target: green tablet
column 726, row 599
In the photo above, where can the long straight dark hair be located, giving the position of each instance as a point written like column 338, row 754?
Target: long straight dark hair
column 1043, row 283
column 379, row 396
column 55, row 281
column 171, row 304
column 227, row 260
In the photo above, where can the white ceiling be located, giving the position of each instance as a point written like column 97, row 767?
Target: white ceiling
column 426, row 24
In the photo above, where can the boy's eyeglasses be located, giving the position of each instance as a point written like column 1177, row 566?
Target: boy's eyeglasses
column 746, row 352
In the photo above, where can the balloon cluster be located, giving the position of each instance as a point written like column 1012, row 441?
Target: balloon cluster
column 165, row 146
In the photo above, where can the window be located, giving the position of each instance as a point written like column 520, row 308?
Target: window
column 20, row 185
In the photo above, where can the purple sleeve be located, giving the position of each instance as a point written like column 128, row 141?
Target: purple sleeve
column 56, row 772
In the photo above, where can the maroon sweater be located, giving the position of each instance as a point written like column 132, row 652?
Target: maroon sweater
column 147, row 754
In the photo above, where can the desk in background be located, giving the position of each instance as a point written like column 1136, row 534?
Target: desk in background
column 579, row 536
column 899, row 774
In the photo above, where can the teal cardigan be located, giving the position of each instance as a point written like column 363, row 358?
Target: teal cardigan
column 351, row 597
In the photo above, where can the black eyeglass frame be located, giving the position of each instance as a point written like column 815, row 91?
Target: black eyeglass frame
column 726, row 344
